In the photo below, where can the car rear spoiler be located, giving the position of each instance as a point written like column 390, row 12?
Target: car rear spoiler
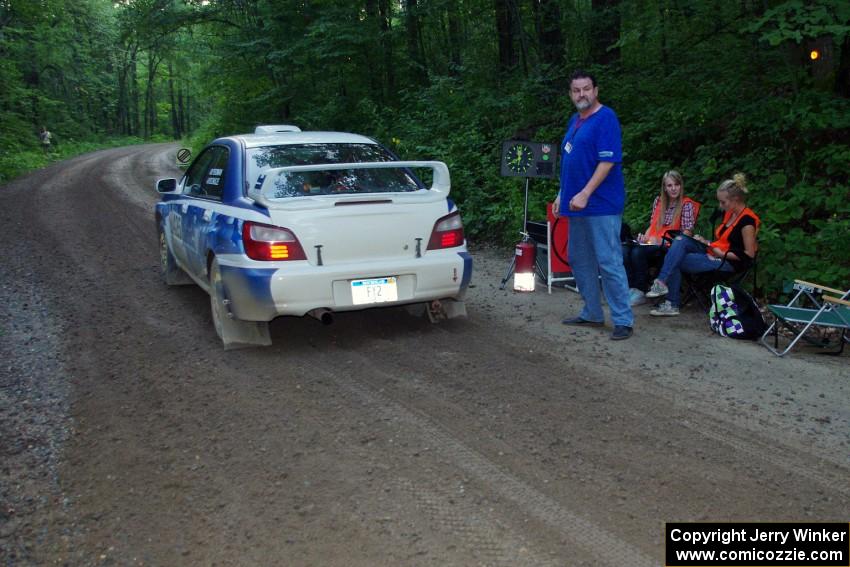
column 439, row 190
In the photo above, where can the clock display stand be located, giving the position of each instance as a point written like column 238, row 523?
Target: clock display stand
column 527, row 159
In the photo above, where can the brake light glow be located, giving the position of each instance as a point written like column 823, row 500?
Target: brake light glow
column 449, row 239
column 447, row 233
column 264, row 242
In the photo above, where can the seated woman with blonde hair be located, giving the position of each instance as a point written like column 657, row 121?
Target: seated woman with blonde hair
column 671, row 211
column 733, row 249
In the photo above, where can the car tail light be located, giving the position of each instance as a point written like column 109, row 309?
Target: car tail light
column 264, row 242
column 447, row 233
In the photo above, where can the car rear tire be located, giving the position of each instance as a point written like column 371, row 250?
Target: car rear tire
column 234, row 333
column 170, row 271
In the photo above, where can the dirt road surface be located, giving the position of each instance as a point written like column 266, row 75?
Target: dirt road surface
column 130, row 437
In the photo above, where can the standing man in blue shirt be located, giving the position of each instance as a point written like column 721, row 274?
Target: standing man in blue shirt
column 593, row 195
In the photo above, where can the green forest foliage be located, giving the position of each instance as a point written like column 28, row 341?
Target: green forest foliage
column 707, row 88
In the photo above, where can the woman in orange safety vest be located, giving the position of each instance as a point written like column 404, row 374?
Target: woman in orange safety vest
column 671, row 211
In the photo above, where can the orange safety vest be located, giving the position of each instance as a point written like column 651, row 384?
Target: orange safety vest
column 722, row 232
column 655, row 232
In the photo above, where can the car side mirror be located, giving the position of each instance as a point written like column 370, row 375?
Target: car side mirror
column 166, row 185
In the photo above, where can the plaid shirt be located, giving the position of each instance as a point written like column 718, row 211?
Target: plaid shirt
column 688, row 219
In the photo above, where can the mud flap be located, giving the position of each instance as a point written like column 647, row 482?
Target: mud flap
column 170, row 272
column 446, row 309
column 244, row 334
column 234, row 333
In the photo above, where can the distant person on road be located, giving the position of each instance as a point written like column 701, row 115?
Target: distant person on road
column 44, row 137
column 671, row 211
column 593, row 196
column 733, row 249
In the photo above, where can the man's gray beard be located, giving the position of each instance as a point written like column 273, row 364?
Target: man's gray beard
column 582, row 105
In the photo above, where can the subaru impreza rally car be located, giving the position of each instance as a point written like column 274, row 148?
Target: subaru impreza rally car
column 284, row 222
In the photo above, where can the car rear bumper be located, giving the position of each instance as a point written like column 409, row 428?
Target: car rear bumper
column 259, row 293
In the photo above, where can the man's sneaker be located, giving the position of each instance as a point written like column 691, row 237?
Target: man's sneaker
column 621, row 332
column 636, row 297
column 665, row 309
column 657, row 290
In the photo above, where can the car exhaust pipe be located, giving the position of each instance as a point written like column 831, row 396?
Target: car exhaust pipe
column 323, row 314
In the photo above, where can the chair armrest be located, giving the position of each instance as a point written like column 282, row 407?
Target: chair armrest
column 830, row 299
column 820, row 287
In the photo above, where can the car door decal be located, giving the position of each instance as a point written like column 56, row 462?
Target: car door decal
column 243, row 213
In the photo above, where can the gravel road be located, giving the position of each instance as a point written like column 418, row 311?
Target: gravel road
column 130, row 437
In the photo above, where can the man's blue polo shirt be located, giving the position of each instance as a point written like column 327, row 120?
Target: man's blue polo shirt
column 585, row 144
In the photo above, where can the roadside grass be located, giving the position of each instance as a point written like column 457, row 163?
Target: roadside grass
column 14, row 164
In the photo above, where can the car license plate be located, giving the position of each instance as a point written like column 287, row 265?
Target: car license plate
column 375, row 290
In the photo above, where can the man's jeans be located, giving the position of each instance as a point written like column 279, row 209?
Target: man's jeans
column 595, row 250
column 686, row 255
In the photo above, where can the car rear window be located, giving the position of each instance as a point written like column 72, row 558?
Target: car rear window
column 327, row 182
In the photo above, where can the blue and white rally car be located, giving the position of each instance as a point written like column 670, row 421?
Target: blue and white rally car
column 285, row 222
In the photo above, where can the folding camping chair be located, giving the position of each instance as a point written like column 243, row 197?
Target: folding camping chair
column 697, row 286
column 655, row 263
column 824, row 311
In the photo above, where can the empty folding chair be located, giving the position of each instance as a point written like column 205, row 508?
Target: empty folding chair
column 808, row 312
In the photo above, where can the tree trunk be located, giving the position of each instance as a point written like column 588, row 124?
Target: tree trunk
column 181, row 113
column 122, row 112
column 605, row 32
column 455, row 39
column 150, row 97
column 376, row 76
column 385, row 10
column 175, row 122
column 823, row 68
column 414, row 41
column 663, row 47
column 548, row 24
column 842, row 75
column 504, row 33
column 519, row 32
column 134, row 97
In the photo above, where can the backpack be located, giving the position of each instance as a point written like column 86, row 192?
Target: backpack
column 734, row 313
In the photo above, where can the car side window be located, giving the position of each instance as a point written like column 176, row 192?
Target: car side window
column 195, row 173
column 213, row 181
column 205, row 178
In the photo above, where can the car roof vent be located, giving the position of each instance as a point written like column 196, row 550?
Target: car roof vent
column 276, row 128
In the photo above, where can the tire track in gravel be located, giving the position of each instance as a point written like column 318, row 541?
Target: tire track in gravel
column 412, row 384
column 827, row 467
column 824, row 470
column 594, row 539
column 834, row 479
column 493, row 544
